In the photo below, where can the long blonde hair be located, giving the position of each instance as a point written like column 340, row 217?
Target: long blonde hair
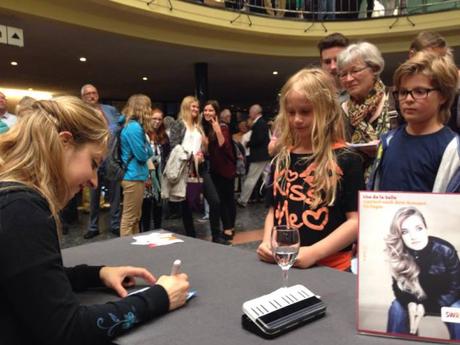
column 31, row 152
column 185, row 113
column 138, row 107
column 327, row 129
column 403, row 267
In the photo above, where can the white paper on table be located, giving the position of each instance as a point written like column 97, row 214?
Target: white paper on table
column 156, row 238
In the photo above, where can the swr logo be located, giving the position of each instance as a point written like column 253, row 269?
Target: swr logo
column 449, row 314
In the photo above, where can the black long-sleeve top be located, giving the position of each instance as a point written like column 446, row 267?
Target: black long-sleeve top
column 38, row 304
column 439, row 276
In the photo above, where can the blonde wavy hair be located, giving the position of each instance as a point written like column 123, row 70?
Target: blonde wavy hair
column 31, row 152
column 185, row 113
column 138, row 107
column 328, row 128
column 403, row 267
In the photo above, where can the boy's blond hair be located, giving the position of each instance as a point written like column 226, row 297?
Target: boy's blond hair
column 442, row 72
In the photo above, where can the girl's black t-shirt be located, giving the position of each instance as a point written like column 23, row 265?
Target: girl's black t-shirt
column 291, row 201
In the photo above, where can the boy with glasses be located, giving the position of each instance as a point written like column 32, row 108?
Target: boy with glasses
column 422, row 155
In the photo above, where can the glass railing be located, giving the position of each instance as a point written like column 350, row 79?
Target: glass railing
column 329, row 10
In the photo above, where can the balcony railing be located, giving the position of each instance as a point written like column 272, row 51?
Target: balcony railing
column 331, row 10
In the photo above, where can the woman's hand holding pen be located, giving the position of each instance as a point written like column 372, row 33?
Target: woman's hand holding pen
column 122, row 277
column 176, row 287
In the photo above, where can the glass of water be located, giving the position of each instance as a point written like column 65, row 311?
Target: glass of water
column 285, row 247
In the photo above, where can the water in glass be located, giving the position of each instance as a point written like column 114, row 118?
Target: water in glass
column 285, row 243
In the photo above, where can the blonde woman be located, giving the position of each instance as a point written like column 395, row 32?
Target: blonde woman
column 50, row 155
column 425, row 271
column 135, row 151
column 187, row 131
column 315, row 178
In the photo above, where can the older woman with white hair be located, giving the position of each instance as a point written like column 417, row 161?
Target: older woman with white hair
column 369, row 108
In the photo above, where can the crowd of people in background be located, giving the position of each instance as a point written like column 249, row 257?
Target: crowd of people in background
column 171, row 164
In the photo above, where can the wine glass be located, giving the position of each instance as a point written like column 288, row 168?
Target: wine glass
column 285, row 247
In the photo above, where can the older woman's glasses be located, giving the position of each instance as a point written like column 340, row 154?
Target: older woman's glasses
column 417, row 93
column 354, row 72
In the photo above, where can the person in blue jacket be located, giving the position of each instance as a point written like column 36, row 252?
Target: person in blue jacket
column 135, row 151
column 90, row 96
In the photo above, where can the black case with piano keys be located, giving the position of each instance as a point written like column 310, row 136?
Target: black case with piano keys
column 285, row 319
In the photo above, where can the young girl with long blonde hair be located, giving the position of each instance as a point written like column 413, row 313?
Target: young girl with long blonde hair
column 315, row 178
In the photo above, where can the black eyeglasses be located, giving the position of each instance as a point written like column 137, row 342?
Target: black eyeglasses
column 417, row 93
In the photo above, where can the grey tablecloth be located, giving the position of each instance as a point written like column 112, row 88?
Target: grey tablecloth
column 224, row 278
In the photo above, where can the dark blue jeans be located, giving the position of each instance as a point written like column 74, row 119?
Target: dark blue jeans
column 114, row 190
column 398, row 320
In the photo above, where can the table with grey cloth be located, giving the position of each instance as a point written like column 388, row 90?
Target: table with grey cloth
column 224, row 278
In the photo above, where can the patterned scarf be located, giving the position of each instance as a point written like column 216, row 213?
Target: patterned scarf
column 359, row 114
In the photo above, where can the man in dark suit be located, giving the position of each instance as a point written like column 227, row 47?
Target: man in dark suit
column 258, row 153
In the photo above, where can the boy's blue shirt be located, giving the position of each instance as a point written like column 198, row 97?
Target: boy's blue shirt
column 413, row 162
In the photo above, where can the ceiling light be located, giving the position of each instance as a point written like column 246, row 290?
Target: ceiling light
column 145, row 78
column 83, row 59
column 19, row 93
column 30, row 89
column 275, row 72
column 13, row 63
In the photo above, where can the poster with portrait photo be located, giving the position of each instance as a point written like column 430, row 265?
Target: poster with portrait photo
column 409, row 269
